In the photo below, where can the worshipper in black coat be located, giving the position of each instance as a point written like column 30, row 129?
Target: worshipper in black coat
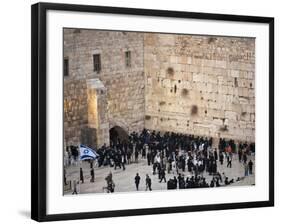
column 81, row 175
column 159, row 170
column 218, row 176
column 154, row 168
column 217, row 182
column 143, row 152
column 204, row 183
column 240, row 155
column 123, row 161
column 250, row 165
column 162, row 175
column 246, row 169
column 64, row 176
column 175, row 181
column 212, row 184
column 180, row 180
column 192, row 182
column 91, row 164
column 117, row 161
column 137, row 181
column 229, row 160
column 136, row 154
column 245, row 157
column 187, row 182
column 216, row 154
column 148, row 156
column 92, row 175
column 227, row 182
column 148, row 183
column 129, row 154
column 221, row 157
column 182, row 184
column 183, row 164
column 169, row 164
column 214, row 167
column 189, row 165
column 171, row 184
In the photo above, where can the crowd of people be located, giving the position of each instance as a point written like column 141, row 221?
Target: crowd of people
column 173, row 153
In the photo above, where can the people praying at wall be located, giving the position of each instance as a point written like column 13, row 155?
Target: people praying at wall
column 187, row 157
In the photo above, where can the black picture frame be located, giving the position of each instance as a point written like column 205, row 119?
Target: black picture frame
column 39, row 107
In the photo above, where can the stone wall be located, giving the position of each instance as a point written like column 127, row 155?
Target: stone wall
column 125, row 85
column 98, row 111
column 200, row 85
column 75, row 110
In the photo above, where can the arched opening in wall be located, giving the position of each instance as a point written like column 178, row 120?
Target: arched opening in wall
column 118, row 134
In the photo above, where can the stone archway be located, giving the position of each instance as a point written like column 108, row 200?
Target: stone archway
column 116, row 133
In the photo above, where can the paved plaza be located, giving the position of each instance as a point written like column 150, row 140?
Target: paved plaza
column 125, row 182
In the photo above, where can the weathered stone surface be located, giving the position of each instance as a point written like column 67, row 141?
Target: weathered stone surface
column 221, row 84
column 218, row 77
column 124, row 85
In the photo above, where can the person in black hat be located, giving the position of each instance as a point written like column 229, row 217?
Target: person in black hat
column 81, row 175
column 162, row 175
column 148, row 182
column 137, row 181
column 92, row 175
column 250, row 165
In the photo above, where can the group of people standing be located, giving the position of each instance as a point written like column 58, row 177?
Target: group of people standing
column 175, row 154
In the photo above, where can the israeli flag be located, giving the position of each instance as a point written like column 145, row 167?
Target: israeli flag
column 87, row 153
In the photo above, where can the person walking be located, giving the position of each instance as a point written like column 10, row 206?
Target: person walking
column 136, row 155
column 216, row 154
column 183, row 164
column 64, row 176
column 246, row 169
column 245, row 157
column 74, row 187
column 221, row 158
column 229, row 160
column 129, row 154
column 162, row 175
column 240, row 155
column 154, row 166
column 92, row 175
column 148, row 182
column 148, row 156
column 110, row 183
column 250, row 164
column 81, row 175
column 123, row 160
column 137, row 181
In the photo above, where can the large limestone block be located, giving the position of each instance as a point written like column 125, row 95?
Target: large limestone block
column 231, row 115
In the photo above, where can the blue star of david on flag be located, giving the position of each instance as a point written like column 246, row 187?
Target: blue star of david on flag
column 87, row 153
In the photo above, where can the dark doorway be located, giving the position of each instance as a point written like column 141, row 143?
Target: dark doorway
column 118, row 135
